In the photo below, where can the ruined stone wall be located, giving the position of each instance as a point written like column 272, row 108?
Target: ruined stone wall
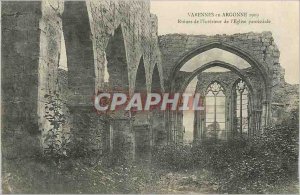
column 35, row 43
column 50, row 97
column 89, row 132
column 124, row 33
column 63, row 86
column 260, row 46
column 32, row 34
column 259, row 49
column 286, row 101
column 139, row 29
column 19, row 78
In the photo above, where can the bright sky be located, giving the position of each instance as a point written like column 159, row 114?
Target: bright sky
column 211, row 55
column 284, row 16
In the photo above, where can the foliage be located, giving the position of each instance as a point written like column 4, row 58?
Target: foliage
column 256, row 165
column 266, row 163
column 55, row 140
column 75, row 176
column 174, row 157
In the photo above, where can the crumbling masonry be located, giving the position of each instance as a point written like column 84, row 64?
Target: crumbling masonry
column 116, row 39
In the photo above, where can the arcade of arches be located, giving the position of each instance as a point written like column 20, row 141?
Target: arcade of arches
column 114, row 46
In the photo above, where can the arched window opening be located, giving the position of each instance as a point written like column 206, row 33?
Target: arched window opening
column 215, row 111
column 116, row 80
column 155, row 85
column 140, row 82
column 116, row 63
column 241, row 109
column 142, row 133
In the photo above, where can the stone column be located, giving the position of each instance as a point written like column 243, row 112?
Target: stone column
column 20, row 50
column 142, row 136
column 123, row 140
column 159, row 127
column 89, row 131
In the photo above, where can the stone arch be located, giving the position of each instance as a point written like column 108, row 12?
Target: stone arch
column 262, row 71
column 227, row 89
column 140, row 78
column 117, row 66
column 82, row 77
column 249, row 109
column 200, row 117
column 156, row 85
column 215, row 126
column 248, row 84
column 157, row 116
column 77, row 31
column 218, row 82
column 224, row 46
column 120, row 133
column 141, row 126
column 256, row 117
column 214, row 64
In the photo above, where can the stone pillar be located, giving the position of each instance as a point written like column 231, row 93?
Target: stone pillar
column 143, row 133
column 171, row 126
column 89, row 131
column 157, row 116
column 264, row 115
column 19, row 78
column 159, row 127
column 50, row 99
column 179, row 129
column 123, row 150
column 228, row 113
column 197, row 123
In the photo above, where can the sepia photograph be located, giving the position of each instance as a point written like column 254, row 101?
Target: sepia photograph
column 150, row 97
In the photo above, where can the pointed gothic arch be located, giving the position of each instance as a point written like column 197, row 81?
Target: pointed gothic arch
column 140, row 78
column 117, row 66
column 156, row 85
column 241, row 108
column 224, row 46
